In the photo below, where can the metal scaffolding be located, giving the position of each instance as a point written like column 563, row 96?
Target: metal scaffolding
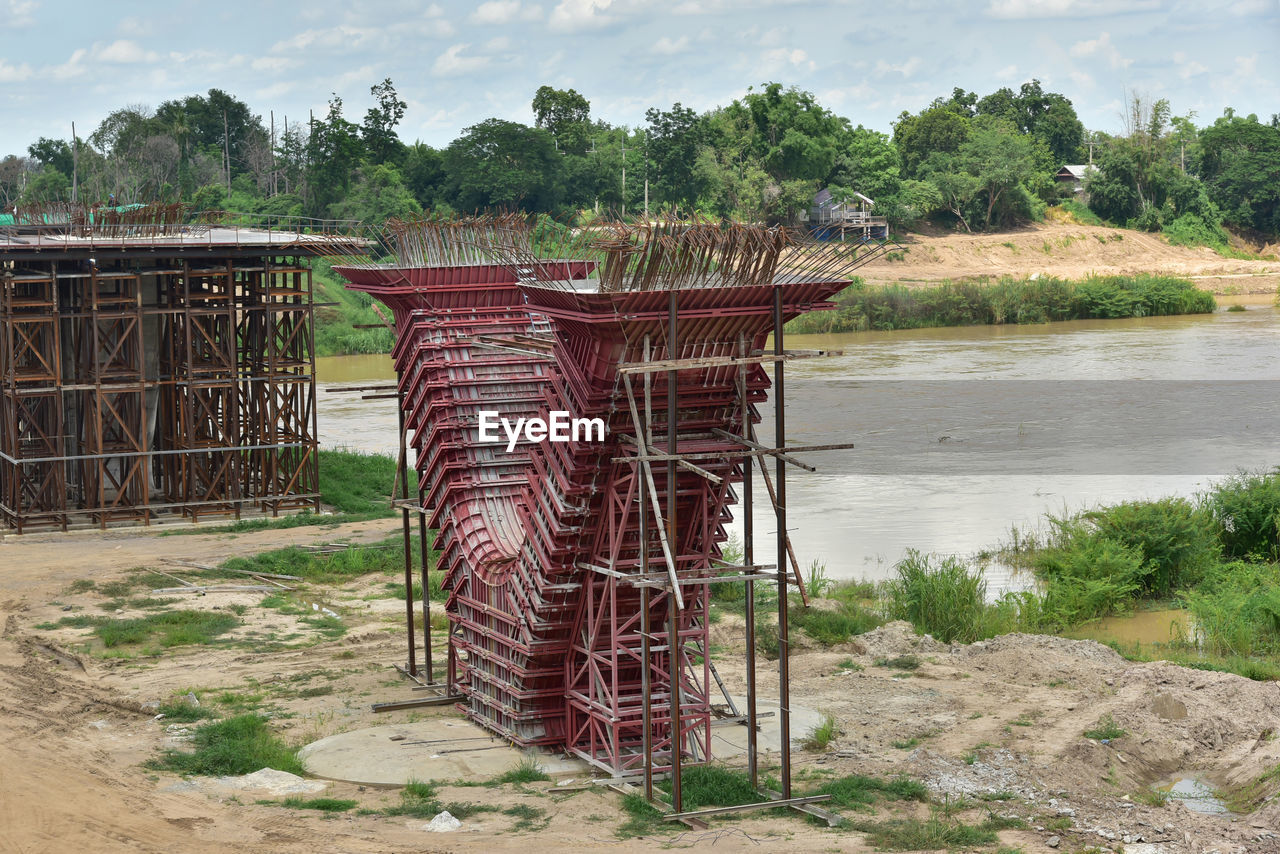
column 578, row 575
column 150, row 367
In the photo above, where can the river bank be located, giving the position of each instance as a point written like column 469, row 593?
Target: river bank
column 1001, row 734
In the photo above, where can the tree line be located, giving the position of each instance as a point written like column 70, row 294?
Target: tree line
column 973, row 162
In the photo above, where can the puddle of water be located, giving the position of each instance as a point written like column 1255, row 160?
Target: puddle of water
column 1195, row 794
column 1143, row 627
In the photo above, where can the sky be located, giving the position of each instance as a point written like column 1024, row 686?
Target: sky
column 456, row 64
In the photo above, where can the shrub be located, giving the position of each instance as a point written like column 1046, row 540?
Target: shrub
column 1174, row 537
column 944, row 599
column 238, row 745
column 1246, row 508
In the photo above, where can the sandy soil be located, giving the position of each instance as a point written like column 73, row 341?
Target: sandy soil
column 1071, row 252
column 999, row 723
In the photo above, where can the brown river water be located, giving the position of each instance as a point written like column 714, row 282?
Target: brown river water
column 965, row 432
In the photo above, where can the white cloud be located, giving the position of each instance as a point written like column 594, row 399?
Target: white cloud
column 1081, row 78
column 1009, row 72
column 274, row 63
column 906, row 69
column 1101, row 46
column 73, row 67
column 666, row 47
column 504, row 11
column 332, row 38
column 1251, row 7
column 13, row 73
column 1187, row 67
column 20, row 13
column 123, row 52
column 497, row 45
column 452, row 62
column 1023, row 9
column 580, row 14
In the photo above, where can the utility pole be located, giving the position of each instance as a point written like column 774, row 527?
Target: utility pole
column 75, row 164
column 226, row 152
column 624, row 174
column 273, row 152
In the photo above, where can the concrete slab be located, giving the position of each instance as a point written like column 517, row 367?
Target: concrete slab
column 435, row 749
column 456, row 749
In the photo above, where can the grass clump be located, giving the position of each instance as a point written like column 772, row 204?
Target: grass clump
column 180, row 711
column 1105, row 730
column 167, row 628
column 643, row 818
column 821, row 734
column 713, row 786
column 321, row 804
column 237, row 745
column 1237, row 610
column 526, row 771
column 912, row 834
column 858, row 792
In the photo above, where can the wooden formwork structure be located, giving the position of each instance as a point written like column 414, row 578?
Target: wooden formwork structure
column 162, row 371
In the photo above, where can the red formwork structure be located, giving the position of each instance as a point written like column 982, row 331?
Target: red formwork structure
column 578, row 571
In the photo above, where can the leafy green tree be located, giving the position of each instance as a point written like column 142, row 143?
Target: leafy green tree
column 1000, row 159
column 379, row 128
column 936, row 130
column 52, row 154
column 423, row 173
column 1240, row 167
column 333, row 153
column 793, row 136
column 50, row 185
column 673, row 139
column 378, row 194
column 1047, row 116
column 503, row 164
column 953, row 186
column 564, row 114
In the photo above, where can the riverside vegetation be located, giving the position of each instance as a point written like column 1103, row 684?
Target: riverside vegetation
column 1217, row 555
column 1006, row 300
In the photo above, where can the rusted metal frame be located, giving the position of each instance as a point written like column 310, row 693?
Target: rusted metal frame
column 748, row 557
column 675, row 602
column 761, row 805
column 773, row 498
column 653, row 496
column 724, row 434
column 660, row 365
column 783, row 543
column 735, row 453
column 680, row 460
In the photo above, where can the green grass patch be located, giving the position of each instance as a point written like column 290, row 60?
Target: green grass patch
column 821, row 734
column 237, row 745
column 321, row 804
column 858, row 792
column 526, row 771
column 1106, row 729
column 911, row 834
column 180, row 711
column 167, row 629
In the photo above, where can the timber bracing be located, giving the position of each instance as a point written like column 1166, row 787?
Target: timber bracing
column 137, row 387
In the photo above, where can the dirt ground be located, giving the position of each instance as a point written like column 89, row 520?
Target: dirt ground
column 1068, row 251
column 994, row 726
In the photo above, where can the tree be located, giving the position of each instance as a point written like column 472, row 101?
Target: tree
column 13, row 177
column 379, row 128
column 1047, row 116
column 791, row 133
column 423, row 173
column 954, row 187
column 52, row 154
column 49, row 185
column 503, row 164
column 935, row 130
column 1000, row 159
column 378, row 194
column 673, row 139
column 565, row 115
column 1240, row 166
column 333, row 153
